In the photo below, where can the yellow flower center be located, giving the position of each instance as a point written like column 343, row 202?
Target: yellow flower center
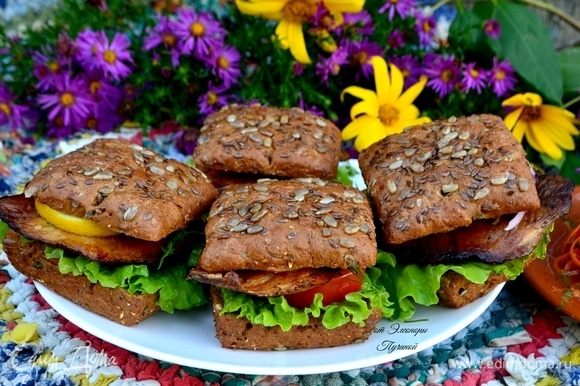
column 212, row 98
column 223, row 62
column 110, row 56
column 94, row 86
column 197, row 29
column 388, row 114
column 298, row 11
column 394, row 1
column 500, row 75
column 474, row 73
column 531, row 113
column 168, row 40
column 92, row 123
column 446, row 76
column 5, row 109
column 361, row 57
column 426, row 26
column 67, row 99
column 53, row 66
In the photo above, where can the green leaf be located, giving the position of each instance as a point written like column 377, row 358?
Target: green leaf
column 570, row 65
column 345, row 175
column 571, row 166
column 466, row 31
column 525, row 41
column 3, row 231
column 552, row 162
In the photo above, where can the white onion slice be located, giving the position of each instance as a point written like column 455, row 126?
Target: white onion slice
column 514, row 222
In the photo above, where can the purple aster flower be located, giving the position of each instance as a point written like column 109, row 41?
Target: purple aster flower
column 226, row 64
column 57, row 129
column 103, row 118
column 331, row 65
column 297, row 69
column 360, row 52
column 197, row 32
column 65, row 48
column 396, row 39
column 86, row 45
column 114, row 57
column 402, row 7
column 502, row 77
column 359, row 23
column 473, row 78
column 322, row 18
column 442, row 72
column 492, row 28
column 101, row 90
column 70, row 102
column 425, row 26
column 409, row 66
column 46, row 70
column 163, row 34
column 11, row 114
column 212, row 100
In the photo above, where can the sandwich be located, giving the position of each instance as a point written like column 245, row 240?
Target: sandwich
column 290, row 263
column 242, row 143
column 103, row 226
column 459, row 208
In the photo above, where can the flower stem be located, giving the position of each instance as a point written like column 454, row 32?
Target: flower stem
column 571, row 102
column 554, row 10
column 440, row 4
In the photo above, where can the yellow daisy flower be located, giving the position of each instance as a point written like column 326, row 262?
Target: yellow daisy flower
column 387, row 111
column 291, row 14
column 547, row 128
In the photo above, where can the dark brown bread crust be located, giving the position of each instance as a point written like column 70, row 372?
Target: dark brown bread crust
column 440, row 176
column 115, row 304
column 287, row 225
column 21, row 216
column 456, row 291
column 239, row 333
column 268, row 141
column 125, row 187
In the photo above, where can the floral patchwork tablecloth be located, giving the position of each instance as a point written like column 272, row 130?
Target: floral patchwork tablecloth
column 40, row 347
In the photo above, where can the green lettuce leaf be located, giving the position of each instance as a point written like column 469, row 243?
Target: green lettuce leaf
column 409, row 284
column 175, row 291
column 275, row 311
column 345, row 174
column 3, row 231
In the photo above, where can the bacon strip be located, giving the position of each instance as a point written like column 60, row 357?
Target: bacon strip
column 487, row 240
column 20, row 215
column 263, row 283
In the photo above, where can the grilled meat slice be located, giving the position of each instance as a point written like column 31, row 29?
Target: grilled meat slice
column 20, row 215
column 263, row 283
column 487, row 240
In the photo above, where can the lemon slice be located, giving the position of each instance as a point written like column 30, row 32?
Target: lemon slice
column 72, row 224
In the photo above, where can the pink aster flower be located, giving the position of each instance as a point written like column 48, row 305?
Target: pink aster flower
column 212, row 100
column 86, row 47
column 502, row 77
column 360, row 53
column 11, row 114
column 331, row 65
column 402, row 7
column 226, row 64
column 410, row 67
column 114, row 58
column 492, row 28
column 163, row 35
column 473, row 78
column 71, row 101
column 198, row 33
column 425, row 26
column 46, row 70
column 442, row 72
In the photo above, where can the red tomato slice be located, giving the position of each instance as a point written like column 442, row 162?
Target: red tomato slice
column 332, row 292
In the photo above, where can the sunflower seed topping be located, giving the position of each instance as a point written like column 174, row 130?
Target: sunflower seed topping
column 478, row 161
column 330, row 221
column 449, row 188
column 239, row 227
column 481, row 193
column 103, row 176
column 499, row 179
column 464, row 135
column 296, row 135
column 172, row 184
column 326, row 200
column 156, row 170
column 254, row 229
column 417, row 168
column 410, row 152
column 130, row 213
column 231, row 118
column 91, row 171
column 320, row 122
column 30, row 191
column 396, row 164
column 351, row 229
column 284, row 119
column 347, row 243
column 318, row 134
column 392, row 186
column 459, row 154
column 523, row 185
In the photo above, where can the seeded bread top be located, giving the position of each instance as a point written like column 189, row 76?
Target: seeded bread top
column 125, row 187
column 444, row 175
column 268, row 141
column 288, row 225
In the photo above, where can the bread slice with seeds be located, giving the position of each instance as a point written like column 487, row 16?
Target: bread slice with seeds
column 444, row 175
column 268, row 141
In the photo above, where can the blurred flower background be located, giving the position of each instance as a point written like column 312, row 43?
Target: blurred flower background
column 374, row 66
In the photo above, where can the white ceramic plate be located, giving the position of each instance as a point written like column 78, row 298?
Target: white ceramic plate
column 188, row 338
